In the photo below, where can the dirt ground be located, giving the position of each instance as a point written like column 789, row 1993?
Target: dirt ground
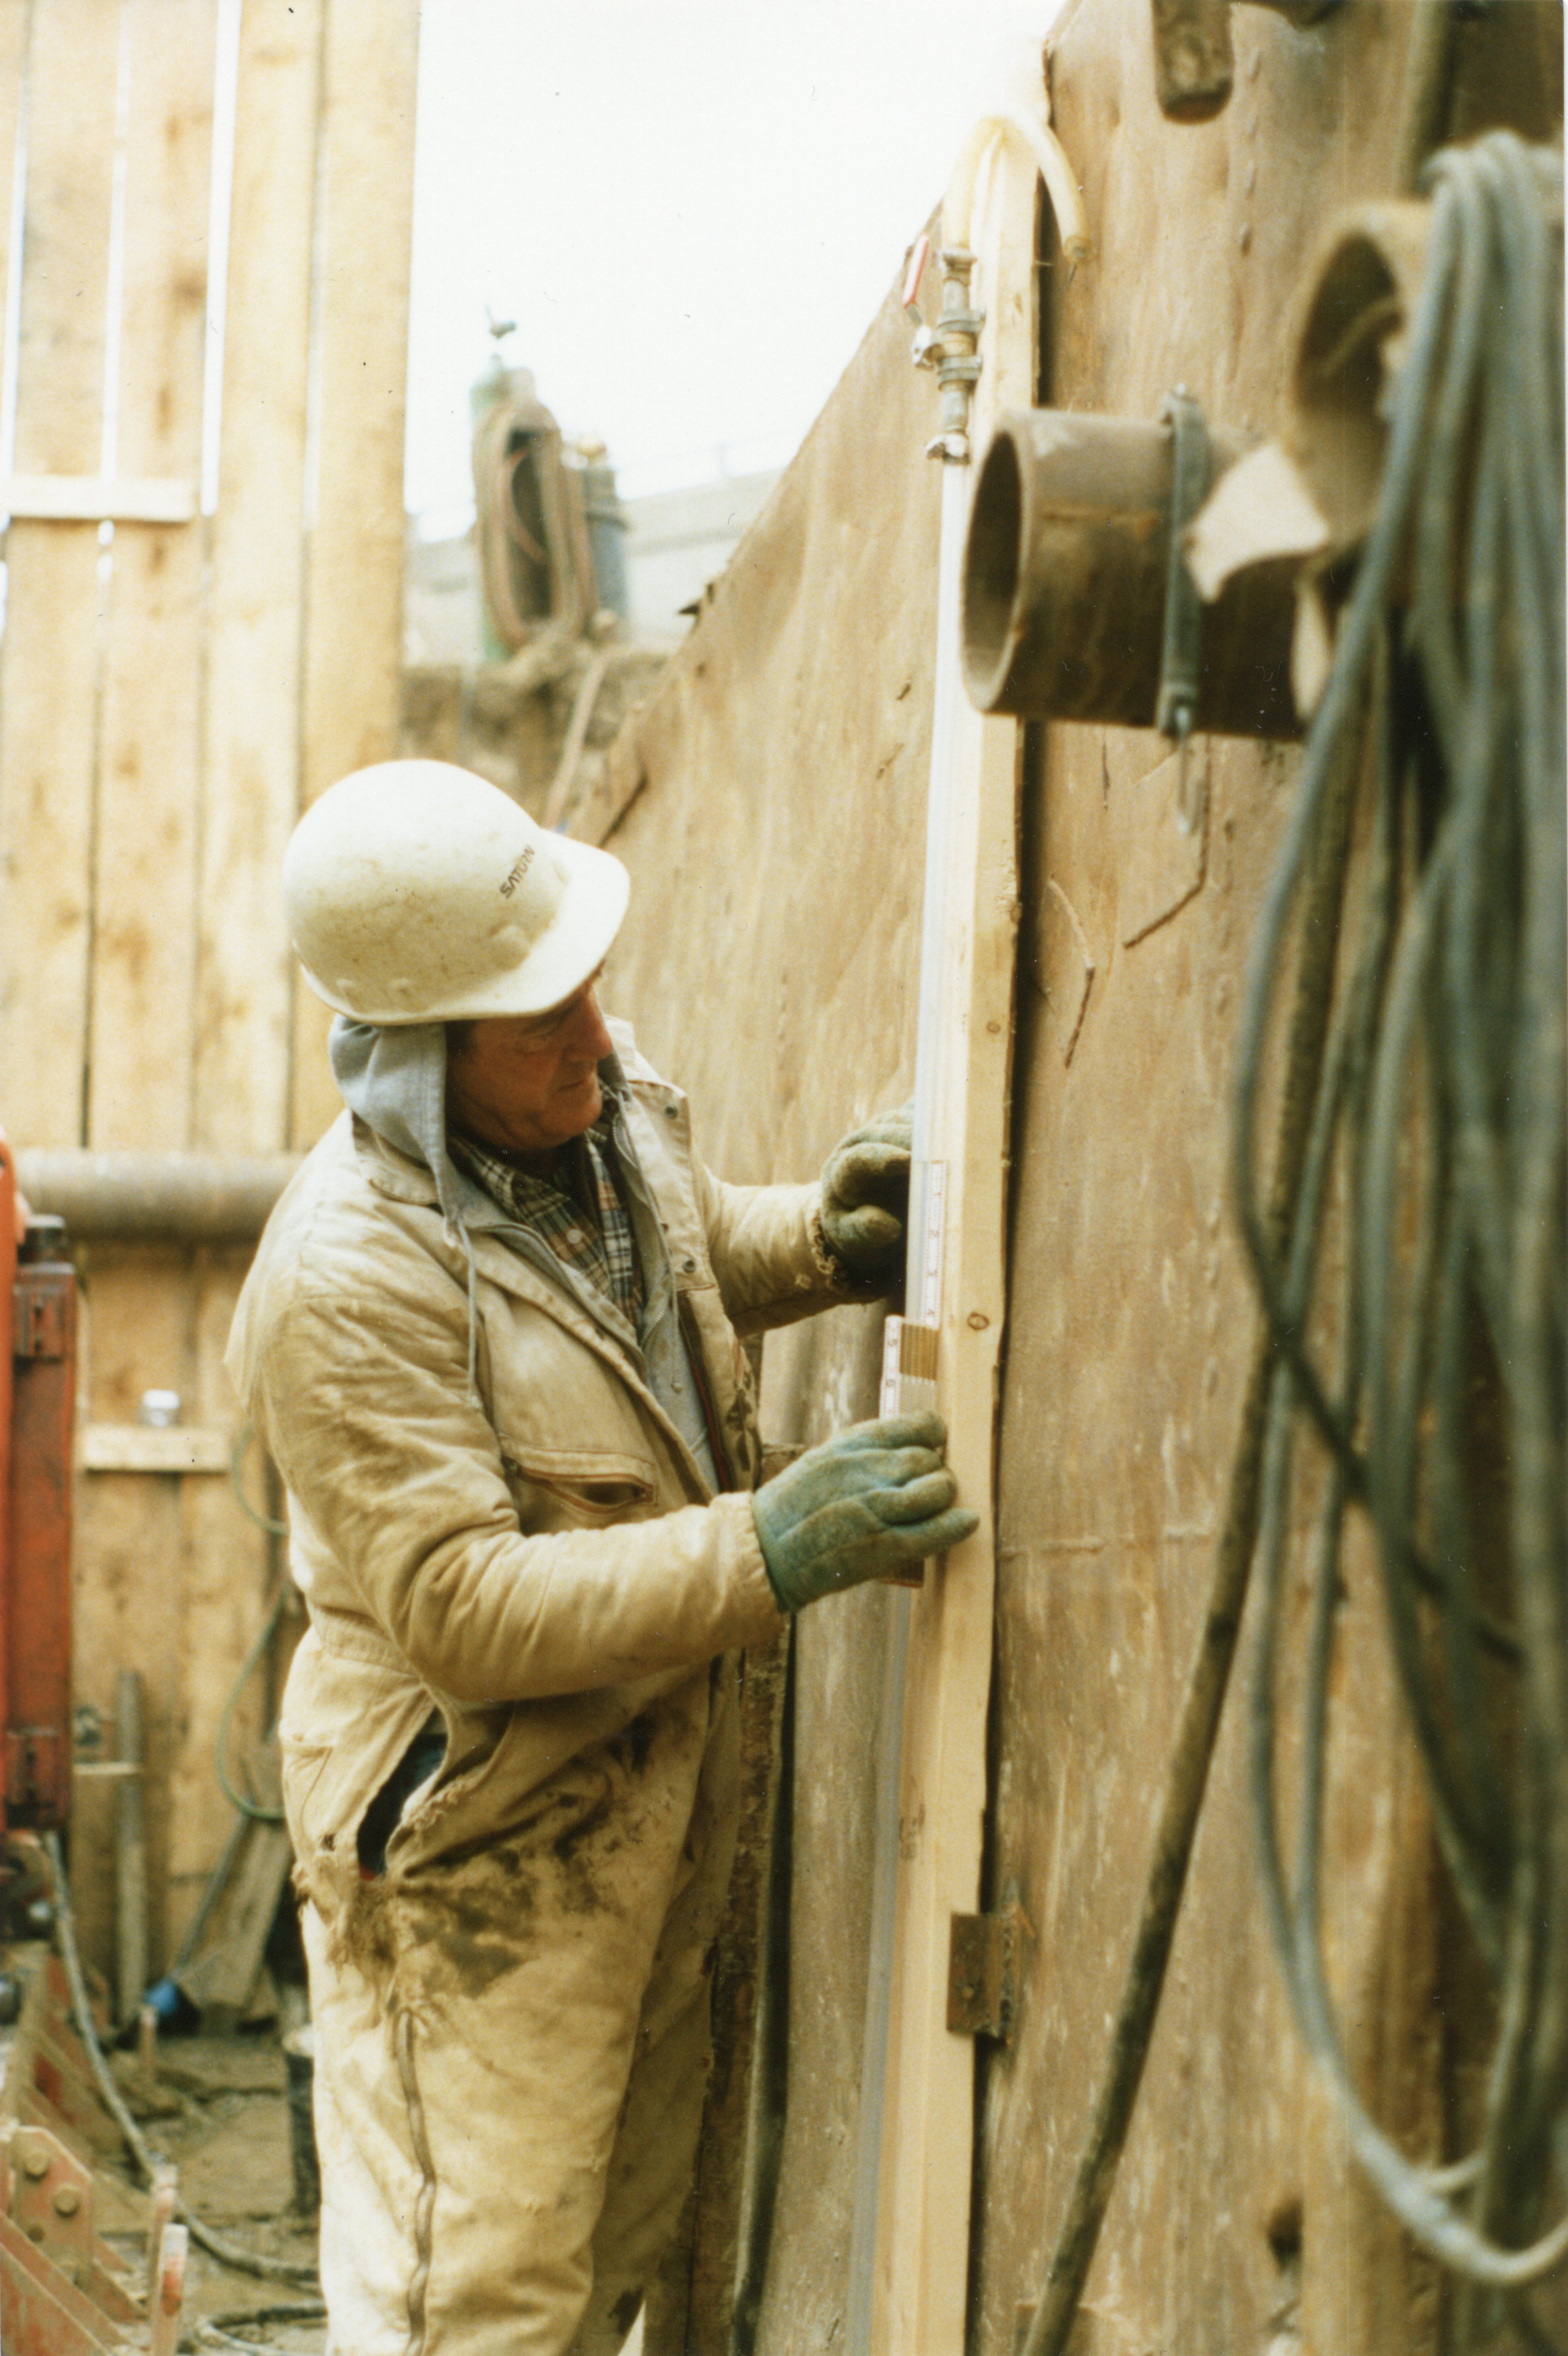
column 217, row 2107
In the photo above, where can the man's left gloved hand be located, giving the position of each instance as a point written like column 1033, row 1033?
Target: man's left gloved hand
column 864, row 1197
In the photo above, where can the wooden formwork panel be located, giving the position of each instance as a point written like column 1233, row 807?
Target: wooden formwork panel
column 170, row 695
column 49, row 674
column 1238, row 2220
column 766, row 805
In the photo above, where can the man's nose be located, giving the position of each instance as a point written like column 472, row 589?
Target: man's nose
column 588, row 1038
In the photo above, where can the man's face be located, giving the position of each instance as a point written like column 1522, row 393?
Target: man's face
column 529, row 1082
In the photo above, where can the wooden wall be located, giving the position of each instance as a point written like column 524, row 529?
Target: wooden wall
column 171, row 694
column 769, row 802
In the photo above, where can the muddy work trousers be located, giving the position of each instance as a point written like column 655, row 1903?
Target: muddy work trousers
column 512, row 2050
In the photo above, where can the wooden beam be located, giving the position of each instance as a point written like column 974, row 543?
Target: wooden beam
column 230, row 1567
column 152, row 1447
column 922, row 2245
column 49, row 670
column 144, row 956
column 132, row 1576
column 241, row 1092
column 100, row 498
column 354, row 626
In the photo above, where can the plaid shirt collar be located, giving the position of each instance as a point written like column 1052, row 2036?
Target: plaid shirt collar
column 577, row 1211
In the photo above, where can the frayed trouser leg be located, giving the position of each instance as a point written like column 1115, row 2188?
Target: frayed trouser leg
column 661, row 2119
column 511, row 2055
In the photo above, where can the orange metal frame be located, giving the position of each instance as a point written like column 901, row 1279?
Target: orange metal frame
column 37, row 1386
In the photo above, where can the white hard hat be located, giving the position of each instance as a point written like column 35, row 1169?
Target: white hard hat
column 416, row 892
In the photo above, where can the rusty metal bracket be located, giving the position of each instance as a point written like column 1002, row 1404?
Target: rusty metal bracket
column 1180, row 653
column 51, row 2201
column 64, row 2291
column 982, row 1959
column 39, row 1317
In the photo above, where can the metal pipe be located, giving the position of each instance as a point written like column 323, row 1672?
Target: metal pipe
column 1064, row 584
column 129, row 1851
column 173, row 1198
column 1193, row 62
column 606, row 520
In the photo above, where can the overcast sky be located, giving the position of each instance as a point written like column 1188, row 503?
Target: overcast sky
column 691, row 208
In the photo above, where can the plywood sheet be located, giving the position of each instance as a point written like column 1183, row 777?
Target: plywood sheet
column 769, row 963
column 1236, row 2221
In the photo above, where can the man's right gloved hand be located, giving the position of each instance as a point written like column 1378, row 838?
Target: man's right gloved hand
column 871, row 1501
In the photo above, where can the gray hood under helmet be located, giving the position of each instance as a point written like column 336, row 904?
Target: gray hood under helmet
column 394, row 1077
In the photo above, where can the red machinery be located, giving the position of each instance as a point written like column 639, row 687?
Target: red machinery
column 63, row 2290
column 38, row 1389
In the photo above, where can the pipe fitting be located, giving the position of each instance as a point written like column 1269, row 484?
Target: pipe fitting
column 952, row 349
column 1194, row 63
column 1065, row 578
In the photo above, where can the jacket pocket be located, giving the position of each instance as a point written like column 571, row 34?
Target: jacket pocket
column 585, row 1485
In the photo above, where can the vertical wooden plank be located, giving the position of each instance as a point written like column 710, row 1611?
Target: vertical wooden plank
column 136, row 1543
column 12, row 63
column 241, row 1092
column 128, row 1585
column 49, row 675
column 144, row 960
column 354, row 626
column 225, row 1581
column 171, row 1579
column 922, row 2268
column 144, row 966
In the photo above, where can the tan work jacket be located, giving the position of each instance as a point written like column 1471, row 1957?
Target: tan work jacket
column 538, row 1555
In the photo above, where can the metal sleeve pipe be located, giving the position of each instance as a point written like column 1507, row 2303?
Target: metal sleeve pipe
column 1194, row 63
column 168, row 1199
column 1065, row 576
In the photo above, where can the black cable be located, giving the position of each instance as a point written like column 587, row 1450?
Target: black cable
column 1423, row 1375
column 1203, row 1700
column 219, row 2331
column 219, row 2246
column 1426, row 973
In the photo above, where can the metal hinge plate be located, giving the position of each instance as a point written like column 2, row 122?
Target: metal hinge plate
column 39, row 1319
column 984, row 1957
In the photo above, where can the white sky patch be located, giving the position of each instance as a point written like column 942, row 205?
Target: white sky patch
column 692, row 209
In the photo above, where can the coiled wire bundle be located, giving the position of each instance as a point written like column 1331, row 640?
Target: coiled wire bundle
column 1415, row 1291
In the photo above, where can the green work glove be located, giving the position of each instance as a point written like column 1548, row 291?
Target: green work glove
column 864, row 1197
column 871, row 1501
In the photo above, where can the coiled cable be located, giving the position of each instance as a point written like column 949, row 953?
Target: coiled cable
column 1417, row 1304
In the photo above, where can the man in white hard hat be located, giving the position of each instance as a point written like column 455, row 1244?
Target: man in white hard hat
column 492, row 1338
